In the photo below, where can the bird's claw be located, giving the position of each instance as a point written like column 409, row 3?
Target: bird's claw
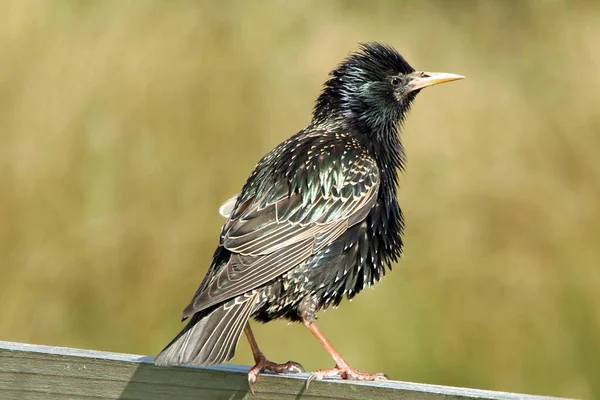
column 345, row 372
column 251, row 380
column 262, row 364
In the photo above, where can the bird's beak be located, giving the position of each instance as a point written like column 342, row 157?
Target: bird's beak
column 421, row 80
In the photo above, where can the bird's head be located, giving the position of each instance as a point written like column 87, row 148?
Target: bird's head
column 373, row 88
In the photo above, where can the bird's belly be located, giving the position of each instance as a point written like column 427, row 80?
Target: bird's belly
column 341, row 269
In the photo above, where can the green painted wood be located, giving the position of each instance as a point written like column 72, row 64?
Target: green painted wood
column 55, row 373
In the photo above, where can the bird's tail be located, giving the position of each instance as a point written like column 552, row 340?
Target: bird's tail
column 211, row 336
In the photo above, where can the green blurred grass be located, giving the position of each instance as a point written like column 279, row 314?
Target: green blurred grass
column 124, row 125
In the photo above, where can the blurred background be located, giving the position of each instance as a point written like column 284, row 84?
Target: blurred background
column 125, row 124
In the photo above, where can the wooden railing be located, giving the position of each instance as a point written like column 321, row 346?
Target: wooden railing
column 32, row 372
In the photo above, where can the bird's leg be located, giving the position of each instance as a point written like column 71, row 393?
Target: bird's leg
column 263, row 364
column 341, row 366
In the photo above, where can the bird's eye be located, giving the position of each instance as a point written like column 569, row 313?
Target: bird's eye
column 395, row 81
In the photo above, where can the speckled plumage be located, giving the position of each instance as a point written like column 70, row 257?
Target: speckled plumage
column 317, row 220
column 340, row 184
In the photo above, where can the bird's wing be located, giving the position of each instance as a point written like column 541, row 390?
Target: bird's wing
column 270, row 234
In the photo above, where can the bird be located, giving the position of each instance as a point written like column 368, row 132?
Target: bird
column 317, row 221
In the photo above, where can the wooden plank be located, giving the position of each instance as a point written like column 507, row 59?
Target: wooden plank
column 57, row 373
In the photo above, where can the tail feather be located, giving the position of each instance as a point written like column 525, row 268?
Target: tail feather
column 211, row 336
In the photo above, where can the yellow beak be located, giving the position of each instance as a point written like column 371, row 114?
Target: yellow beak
column 421, row 80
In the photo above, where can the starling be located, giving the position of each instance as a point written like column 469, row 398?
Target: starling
column 317, row 220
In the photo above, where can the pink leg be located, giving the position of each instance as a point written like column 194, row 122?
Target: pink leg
column 263, row 364
column 341, row 366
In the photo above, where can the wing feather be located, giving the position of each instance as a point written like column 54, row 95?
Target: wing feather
column 270, row 234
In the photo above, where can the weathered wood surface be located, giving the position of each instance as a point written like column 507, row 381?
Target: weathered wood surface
column 42, row 373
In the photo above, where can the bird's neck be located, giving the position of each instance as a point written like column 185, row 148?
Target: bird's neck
column 383, row 142
column 385, row 145
column 378, row 130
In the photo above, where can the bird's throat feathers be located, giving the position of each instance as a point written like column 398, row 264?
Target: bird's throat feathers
column 385, row 145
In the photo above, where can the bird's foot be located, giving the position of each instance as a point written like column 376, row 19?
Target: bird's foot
column 262, row 364
column 345, row 372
